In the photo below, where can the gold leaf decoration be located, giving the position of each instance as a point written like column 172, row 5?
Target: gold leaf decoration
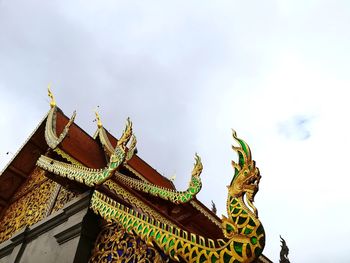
column 115, row 245
column 27, row 210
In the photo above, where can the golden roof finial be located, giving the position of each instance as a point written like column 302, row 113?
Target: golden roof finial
column 52, row 102
column 98, row 119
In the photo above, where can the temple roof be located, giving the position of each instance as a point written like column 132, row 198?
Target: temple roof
column 87, row 150
column 88, row 153
column 16, row 172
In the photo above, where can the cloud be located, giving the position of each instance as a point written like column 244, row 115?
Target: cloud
column 295, row 128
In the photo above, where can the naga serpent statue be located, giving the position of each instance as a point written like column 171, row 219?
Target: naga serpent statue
column 244, row 235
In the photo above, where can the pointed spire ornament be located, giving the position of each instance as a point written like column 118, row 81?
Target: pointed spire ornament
column 284, row 252
column 50, row 94
column 98, row 119
column 213, row 207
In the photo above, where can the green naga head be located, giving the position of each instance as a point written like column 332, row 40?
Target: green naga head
column 196, row 172
column 242, row 214
column 118, row 155
column 122, row 142
column 247, row 176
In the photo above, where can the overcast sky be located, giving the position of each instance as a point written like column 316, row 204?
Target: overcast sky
column 186, row 72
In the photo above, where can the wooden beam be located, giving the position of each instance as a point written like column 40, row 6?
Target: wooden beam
column 31, row 141
column 18, row 172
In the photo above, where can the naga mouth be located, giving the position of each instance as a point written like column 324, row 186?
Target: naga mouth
column 253, row 181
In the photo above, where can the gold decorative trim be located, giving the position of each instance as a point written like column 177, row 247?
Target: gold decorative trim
column 133, row 200
column 205, row 213
column 165, row 193
column 51, row 137
column 66, row 156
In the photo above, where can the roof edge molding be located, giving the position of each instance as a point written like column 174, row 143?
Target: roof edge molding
column 176, row 197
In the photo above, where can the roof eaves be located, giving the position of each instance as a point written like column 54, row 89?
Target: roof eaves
column 25, row 142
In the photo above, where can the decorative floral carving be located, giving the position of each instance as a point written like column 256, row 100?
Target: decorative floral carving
column 35, row 178
column 27, row 210
column 114, row 244
column 64, row 196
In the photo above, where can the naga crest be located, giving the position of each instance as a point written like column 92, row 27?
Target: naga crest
column 120, row 149
column 122, row 142
column 247, row 176
column 198, row 166
column 124, row 139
